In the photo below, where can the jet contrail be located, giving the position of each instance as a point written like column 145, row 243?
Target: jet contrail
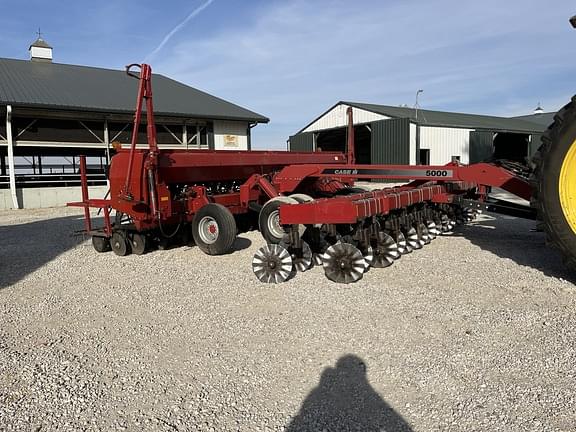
column 178, row 27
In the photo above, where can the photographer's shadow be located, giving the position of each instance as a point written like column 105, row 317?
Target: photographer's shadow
column 344, row 400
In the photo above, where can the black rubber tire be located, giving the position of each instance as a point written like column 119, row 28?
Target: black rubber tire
column 101, row 244
column 119, row 244
column 138, row 243
column 226, row 229
column 265, row 214
column 301, row 198
column 547, row 162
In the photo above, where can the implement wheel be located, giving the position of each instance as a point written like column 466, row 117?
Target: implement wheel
column 137, row 243
column 554, row 182
column 119, row 244
column 214, row 229
column 100, row 244
column 269, row 219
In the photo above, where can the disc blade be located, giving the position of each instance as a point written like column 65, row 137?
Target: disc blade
column 344, row 263
column 272, row 264
column 317, row 259
column 386, row 251
column 401, row 244
column 301, row 258
column 433, row 230
column 446, row 224
column 423, row 235
column 412, row 239
column 368, row 257
column 469, row 214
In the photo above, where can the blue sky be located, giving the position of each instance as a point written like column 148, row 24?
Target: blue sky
column 291, row 60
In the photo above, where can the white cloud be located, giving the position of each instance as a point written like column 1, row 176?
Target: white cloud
column 300, row 57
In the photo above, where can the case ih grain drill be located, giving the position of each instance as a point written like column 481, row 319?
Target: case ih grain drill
column 306, row 206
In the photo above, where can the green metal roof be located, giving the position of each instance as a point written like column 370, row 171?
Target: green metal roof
column 544, row 119
column 452, row 119
column 69, row 87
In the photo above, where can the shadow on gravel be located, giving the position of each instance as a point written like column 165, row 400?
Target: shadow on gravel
column 26, row 247
column 344, row 400
column 515, row 239
column 241, row 243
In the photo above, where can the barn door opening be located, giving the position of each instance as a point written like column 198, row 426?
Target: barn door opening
column 511, row 146
column 424, row 157
column 335, row 140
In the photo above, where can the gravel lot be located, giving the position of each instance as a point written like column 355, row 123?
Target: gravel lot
column 476, row 332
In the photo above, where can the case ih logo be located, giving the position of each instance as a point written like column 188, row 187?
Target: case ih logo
column 346, row 171
column 390, row 172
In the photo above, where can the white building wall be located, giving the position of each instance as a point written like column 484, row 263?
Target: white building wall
column 337, row 118
column 48, row 197
column 230, row 135
column 444, row 143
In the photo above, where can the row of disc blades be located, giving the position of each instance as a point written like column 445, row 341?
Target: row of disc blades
column 343, row 261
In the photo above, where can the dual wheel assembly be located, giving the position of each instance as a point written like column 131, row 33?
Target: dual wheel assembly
column 124, row 240
column 122, row 243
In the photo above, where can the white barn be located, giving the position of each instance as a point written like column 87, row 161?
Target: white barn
column 400, row 135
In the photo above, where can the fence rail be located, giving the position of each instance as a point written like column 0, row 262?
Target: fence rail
column 46, row 180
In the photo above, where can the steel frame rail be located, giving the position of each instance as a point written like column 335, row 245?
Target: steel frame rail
column 353, row 208
column 484, row 174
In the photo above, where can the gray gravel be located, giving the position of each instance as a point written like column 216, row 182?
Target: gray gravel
column 476, row 332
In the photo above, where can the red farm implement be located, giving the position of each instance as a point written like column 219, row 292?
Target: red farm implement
column 305, row 204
